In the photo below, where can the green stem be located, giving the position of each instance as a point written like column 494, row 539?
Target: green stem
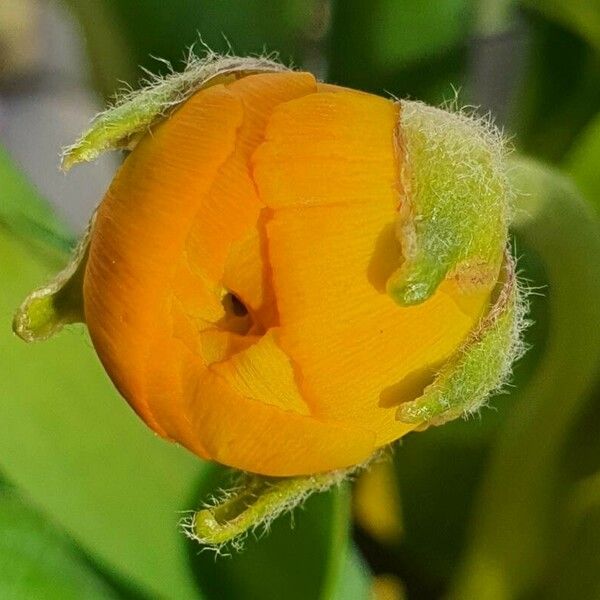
column 339, row 544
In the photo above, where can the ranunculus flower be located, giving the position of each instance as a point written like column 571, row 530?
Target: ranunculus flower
column 285, row 276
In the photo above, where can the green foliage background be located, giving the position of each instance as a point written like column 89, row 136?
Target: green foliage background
column 507, row 507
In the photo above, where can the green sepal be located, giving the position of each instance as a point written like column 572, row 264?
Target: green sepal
column 255, row 501
column 122, row 125
column 60, row 302
column 454, row 210
column 481, row 366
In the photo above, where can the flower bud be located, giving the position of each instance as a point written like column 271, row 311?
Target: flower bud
column 285, row 275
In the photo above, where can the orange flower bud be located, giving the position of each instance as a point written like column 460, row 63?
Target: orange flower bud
column 252, row 287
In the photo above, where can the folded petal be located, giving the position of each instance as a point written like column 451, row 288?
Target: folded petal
column 261, row 438
column 226, row 241
column 140, row 233
column 330, row 265
column 263, row 372
column 328, row 148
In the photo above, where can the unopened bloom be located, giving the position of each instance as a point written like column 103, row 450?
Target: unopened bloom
column 285, row 276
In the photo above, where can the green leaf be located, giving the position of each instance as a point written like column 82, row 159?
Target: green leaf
column 355, row 581
column 583, row 160
column 28, row 218
column 253, row 502
column 559, row 91
column 133, row 115
column 515, row 517
column 306, row 553
column 76, row 448
column 575, row 570
column 582, row 17
column 410, row 48
column 464, row 230
column 38, row 561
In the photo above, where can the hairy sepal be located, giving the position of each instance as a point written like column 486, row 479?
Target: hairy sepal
column 255, row 502
column 483, row 364
column 122, row 125
column 455, row 202
column 58, row 303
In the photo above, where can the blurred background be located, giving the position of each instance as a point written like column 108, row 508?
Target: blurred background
column 503, row 506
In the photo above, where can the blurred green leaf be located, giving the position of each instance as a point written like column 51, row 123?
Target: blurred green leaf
column 435, row 508
column 583, row 451
column 307, row 554
column 494, row 16
column 583, row 162
column 74, row 446
column 355, row 581
column 559, row 90
column 581, row 457
column 412, row 30
column 28, row 218
column 37, row 561
column 111, row 53
column 575, row 570
column 582, row 17
column 409, row 48
column 513, row 530
column 123, row 34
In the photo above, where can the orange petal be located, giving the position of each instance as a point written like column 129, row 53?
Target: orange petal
column 163, row 236
column 140, row 232
column 247, row 271
column 217, row 345
column 200, row 298
column 326, row 149
column 264, row 372
column 261, row 94
column 227, row 213
column 230, row 210
column 359, row 353
column 248, row 274
column 261, row 438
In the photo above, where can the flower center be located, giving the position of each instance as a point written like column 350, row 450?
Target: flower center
column 233, row 305
column 237, row 319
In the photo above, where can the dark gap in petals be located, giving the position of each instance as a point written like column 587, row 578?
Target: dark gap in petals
column 233, row 305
